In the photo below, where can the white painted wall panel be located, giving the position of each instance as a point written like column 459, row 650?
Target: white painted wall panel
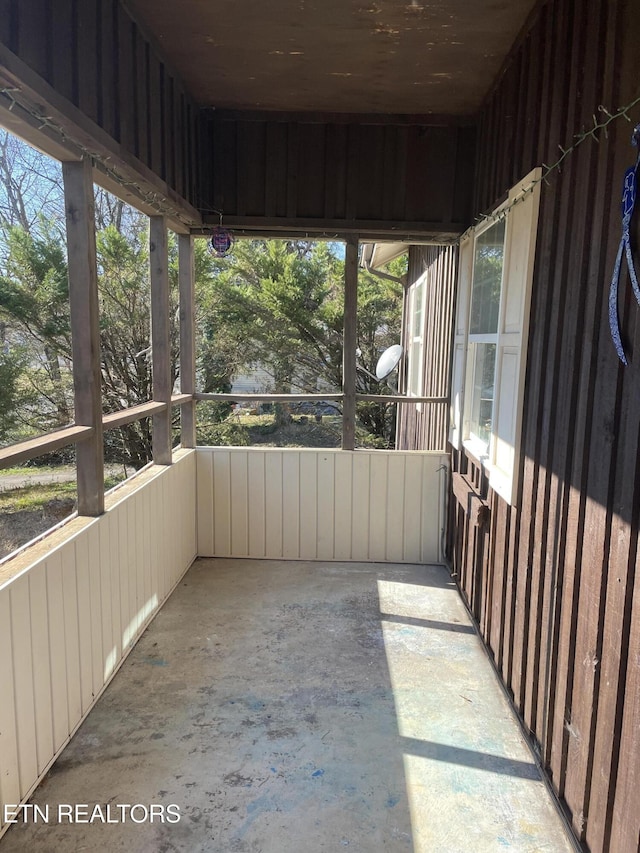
column 68, row 618
column 376, row 505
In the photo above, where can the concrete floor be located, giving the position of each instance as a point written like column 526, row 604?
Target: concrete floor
column 302, row 707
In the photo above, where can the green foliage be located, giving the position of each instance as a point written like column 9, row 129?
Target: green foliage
column 34, row 304
column 227, row 434
column 12, row 365
column 279, row 305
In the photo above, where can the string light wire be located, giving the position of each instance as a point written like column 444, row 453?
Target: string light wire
column 155, row 200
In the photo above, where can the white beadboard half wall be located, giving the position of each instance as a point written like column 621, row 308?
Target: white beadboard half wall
column 72, row 607
column 382, row 506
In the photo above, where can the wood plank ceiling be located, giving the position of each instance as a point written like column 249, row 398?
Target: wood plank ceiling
column 346, row 56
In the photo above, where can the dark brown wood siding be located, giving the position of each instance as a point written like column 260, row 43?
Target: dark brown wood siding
column 337, row 171
column 93, row 54
column 553, row 583
column 427, row 426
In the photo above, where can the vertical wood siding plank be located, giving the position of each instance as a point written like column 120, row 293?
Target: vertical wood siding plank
column 396, row 506
column 623, row 826
column 71, row 634
column 139, row 83
column 126, row 102
column 291, row 505
column 361, row 506
column 41, row 665
column 378, row 499
column 64, row 67
column 155, row 520
column 84, row 622
column 149, row 525
column 292, row 170
column 114, row 561
column 105, row 534
column 125, row 593
column 308, row 505
column 274, row 488
column 57, row 650
column 138, row 550
column 222, row 492
column 92, row 538
column 257, row 503
column 430, row 547
column 108, row 73
column 156, row 115
column 9, row 763
column 9, row 30
column 34, row 42
column 87, row 41
column 204, row 485
column 239, row 504
column 343, row 505
column 23, row 682
column 412, row 515
column 325, row 506
column 335, row 166
column 132, row 570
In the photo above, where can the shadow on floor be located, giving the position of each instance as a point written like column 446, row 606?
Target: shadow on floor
column 275, row 707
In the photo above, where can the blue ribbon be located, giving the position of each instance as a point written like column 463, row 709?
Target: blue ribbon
column 629, row 195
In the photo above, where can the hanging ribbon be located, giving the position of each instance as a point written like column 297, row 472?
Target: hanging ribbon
column 629, row 194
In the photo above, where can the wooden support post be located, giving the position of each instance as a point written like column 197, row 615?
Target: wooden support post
column 160, row 338
column 349, row 345
column 85, row 332
column 187, row 339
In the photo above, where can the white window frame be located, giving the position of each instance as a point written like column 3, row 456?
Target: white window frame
column 474, row 443
column 501, row 455
column 415, row 342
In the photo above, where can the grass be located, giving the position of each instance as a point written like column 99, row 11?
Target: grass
column 17, row 470
column 34, row 498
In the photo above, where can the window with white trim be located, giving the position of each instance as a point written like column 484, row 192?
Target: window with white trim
column 415, row 371
column 492, row 320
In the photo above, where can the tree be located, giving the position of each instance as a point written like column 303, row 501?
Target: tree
column 279, row 304
column 12, row 395
column 34, row 302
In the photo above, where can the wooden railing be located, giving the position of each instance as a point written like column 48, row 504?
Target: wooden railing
column 13, row 454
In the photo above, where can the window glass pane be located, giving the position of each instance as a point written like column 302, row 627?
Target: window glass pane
column 417, row 310
column 487, row 278
column 482, row 400
column 414, row 376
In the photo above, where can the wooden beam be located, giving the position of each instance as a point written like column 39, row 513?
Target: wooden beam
column 182, row 399
column 85, row 331
column 349, row 344
column 131, row 414
column 160, row 338
column 187, row 339
column 371, row 230
column 402, row 119
column 399, row 398
column 14, row 454
column 78, row 133
column 270, row 398
column 476, row 509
